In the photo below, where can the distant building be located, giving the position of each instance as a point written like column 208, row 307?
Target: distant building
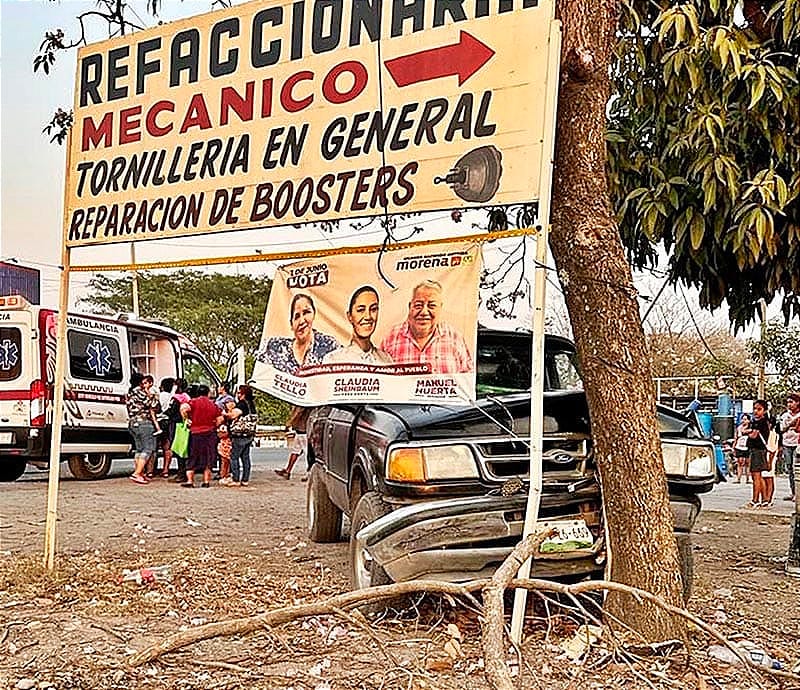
column 20, row 280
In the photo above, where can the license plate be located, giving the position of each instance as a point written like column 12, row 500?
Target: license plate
column 570, row 535
column 6, row 437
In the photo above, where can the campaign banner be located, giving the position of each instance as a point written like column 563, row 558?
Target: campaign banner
column 400, row 327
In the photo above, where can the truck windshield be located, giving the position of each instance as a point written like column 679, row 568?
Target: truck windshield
column 505, row 367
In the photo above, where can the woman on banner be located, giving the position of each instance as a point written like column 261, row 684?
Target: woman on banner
column 308, row 346
column 362, row 313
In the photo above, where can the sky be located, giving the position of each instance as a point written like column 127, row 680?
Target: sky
column 32, row 169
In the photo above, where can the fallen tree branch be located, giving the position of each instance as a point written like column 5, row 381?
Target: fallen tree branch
column 225, row 666
column 348, row 600
column 599, row 585
column 493, row 630
column 369, row 631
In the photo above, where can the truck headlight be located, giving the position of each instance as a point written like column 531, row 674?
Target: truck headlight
column 688, row 460
column 420, row 464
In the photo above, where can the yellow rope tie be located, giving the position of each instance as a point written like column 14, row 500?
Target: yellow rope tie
column 307, row 254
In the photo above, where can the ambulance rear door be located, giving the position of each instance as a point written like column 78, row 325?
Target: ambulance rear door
column 19, row 364
column 98, row 372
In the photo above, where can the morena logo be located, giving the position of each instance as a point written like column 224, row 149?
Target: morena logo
column 414, row 263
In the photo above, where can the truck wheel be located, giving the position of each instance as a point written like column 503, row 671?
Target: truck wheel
column 12, row 469
column 364, row 571
column 89, row 465
column 323, row 518
column 686, row 561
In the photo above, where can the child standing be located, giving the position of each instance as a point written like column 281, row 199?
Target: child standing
column 224, row 448
column 741, row 451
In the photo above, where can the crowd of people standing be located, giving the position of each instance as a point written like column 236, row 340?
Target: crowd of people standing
column 764, row 447
column 187, row 425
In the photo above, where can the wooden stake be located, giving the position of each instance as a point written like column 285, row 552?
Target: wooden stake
column 58, row 387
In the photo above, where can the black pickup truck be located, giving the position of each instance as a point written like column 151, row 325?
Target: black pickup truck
column 436, row 491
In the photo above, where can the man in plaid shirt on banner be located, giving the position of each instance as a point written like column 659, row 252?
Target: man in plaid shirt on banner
column 422, row 337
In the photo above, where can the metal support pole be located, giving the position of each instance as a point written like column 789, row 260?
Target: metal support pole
column 792, row 565
column 58, row 416
column 58, row 384
column 537, row 346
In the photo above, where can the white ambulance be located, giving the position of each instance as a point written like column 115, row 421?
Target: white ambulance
column 103, row 351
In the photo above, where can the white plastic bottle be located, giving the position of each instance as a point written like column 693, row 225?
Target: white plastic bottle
column 756, row 654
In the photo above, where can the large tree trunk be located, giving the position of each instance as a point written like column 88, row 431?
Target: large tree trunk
column 602, row 305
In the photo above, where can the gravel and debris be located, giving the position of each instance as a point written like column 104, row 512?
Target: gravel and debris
column 79, row 626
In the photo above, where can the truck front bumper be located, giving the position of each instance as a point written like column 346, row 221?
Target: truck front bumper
column 461, row 539
column 467, row 538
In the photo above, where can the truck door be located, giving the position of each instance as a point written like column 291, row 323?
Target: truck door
column 337, row 441
column 197, row 371
column 154, row 354
column 235, row 371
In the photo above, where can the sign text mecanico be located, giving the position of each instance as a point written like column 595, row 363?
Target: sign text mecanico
column 276, row 113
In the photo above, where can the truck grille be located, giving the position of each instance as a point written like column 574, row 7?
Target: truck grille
column 561, row 454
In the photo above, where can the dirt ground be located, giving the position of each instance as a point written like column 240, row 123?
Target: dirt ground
column 237, row 552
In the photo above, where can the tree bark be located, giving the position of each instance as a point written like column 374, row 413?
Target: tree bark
column 603, row 309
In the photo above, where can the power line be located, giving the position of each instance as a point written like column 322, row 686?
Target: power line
column 655, row 299
column 697, row 328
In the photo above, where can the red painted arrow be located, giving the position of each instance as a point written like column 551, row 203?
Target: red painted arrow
column 463, row 58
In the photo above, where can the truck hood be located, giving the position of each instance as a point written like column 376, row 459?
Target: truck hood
column 565, row 411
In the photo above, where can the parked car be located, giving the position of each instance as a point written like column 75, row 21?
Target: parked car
column 435, row 491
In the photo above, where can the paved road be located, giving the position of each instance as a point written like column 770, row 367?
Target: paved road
column 731, row 497
column 265, row 458
column 726, row 496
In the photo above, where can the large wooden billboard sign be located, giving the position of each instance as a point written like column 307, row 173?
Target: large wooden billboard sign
column 276, row 113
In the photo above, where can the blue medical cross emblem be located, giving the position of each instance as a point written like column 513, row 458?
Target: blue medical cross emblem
column 9, row 354
column 98, row 357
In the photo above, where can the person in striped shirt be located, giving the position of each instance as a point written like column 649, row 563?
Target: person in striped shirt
column 424, row 338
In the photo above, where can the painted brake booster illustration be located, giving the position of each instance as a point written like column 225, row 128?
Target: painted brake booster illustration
column 476, row 175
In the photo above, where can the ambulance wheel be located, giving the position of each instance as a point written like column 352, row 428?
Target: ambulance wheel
column 11, row 469
column 89, row 465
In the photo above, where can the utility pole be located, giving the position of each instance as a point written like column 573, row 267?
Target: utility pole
column 762, row 355
column 135, row 298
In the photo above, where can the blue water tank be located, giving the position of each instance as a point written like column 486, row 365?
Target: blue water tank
column 724, row 405
column 705, row 419
column 722, row 465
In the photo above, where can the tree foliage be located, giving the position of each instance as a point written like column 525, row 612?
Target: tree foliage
column 687, row 345
column 704, row 146
column 217, row 312
column 781, row 346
